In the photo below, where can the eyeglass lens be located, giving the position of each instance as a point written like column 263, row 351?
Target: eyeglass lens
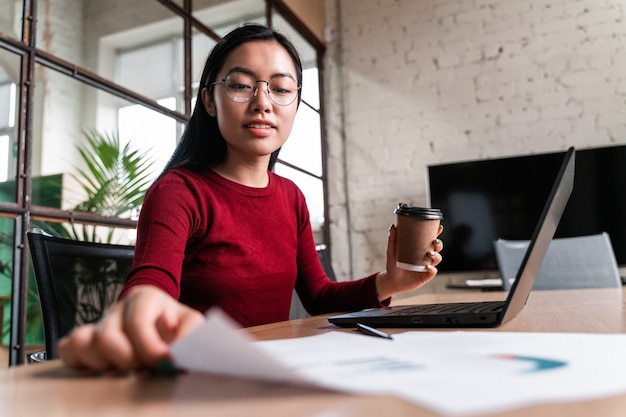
column 240, row 87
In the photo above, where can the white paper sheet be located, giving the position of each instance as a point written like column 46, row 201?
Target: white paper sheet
column 453, row 373
column 219, row 347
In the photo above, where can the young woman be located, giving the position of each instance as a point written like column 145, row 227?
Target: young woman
column 218, row 228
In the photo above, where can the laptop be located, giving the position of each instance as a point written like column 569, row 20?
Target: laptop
column 483, row 313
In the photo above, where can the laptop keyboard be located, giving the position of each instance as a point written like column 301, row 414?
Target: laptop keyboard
column 477, row 307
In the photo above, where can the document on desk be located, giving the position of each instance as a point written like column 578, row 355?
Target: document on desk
column 219, row 347
column 454, row 372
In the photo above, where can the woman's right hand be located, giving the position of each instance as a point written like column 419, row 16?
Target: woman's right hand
column 135, row 333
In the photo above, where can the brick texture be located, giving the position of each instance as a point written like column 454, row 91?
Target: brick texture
column 417, row 82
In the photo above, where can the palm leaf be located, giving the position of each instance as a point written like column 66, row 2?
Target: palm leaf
column 114, row 178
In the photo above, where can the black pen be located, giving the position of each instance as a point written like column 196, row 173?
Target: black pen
column 370, row 331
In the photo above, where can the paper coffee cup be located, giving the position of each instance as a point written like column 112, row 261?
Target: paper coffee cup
column 416, row 229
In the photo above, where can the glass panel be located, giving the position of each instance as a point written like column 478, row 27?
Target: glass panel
column 304, row 146
column 11, row 18
column 88, row 233
column 139, row 126
column 72, row 116
column 34, row 329
column 310, row 84
column 201, row 46
column 7, row 230
column 223, row 16
column 153, row 70
column 311, row 87
column 313, row 191
column 91, row 34
column 9, row 80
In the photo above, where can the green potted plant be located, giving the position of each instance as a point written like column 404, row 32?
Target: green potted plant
column 114, row 180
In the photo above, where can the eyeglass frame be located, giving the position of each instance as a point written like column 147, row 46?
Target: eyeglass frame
column 256, row 88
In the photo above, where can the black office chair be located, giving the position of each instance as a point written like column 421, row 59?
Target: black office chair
column 76, row 282
column 324, row 255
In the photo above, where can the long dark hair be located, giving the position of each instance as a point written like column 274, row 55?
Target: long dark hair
column 202, row 145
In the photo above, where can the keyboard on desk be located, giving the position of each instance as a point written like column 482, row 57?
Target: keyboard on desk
column 475, row 307
column 451, row 315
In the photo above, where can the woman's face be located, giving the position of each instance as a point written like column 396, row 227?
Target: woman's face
column 256, row 128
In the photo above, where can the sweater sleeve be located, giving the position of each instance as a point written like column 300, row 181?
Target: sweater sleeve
column 317, row 292
column 167, row 219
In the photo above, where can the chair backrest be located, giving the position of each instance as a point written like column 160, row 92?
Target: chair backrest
column 76, row 281
column 571, row 262
column 324, row 255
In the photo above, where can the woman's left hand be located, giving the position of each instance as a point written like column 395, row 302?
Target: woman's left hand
column 396, row 280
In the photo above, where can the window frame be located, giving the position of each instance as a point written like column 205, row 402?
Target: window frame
column 22, row 211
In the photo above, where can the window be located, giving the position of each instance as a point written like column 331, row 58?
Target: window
column 4, row 156
column 9, row 70
column 149, row 132
column 120, row 72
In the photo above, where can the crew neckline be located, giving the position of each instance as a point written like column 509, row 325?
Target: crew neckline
column 241, row 188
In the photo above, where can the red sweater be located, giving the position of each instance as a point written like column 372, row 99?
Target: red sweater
column 208, row 241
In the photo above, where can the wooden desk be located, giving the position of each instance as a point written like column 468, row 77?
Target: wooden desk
column 50, row 389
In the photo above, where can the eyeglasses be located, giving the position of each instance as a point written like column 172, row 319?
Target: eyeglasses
column 240, row 87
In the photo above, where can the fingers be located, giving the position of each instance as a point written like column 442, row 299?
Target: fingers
column 435, row 258
column 100, row 347
column 145, row 319
column 76, row 349
column 391, row 247
column 189, row 320
column 173, row 321
column 430, row 273
column 134, row 333
column 438, row 244
column 112, row 342
column 434, row 255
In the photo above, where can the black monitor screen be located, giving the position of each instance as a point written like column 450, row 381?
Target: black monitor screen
column 502, row 198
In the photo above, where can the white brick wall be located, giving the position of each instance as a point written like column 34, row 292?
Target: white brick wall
column 415, row 82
